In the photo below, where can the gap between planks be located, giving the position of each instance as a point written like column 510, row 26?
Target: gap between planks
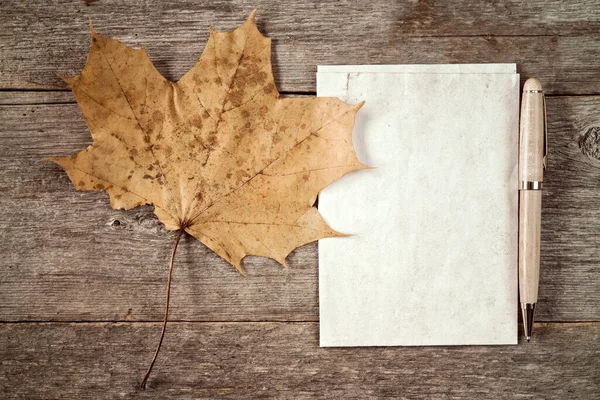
column 43, row 97
column 554, row 324
column 48, row 97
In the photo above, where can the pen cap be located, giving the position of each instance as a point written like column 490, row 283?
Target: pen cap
column 532, row 131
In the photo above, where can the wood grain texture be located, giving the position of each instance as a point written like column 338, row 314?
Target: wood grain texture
column 36, row 97
column 570, row 210
column 283, row 360
column 69, row 257
column 551, row 40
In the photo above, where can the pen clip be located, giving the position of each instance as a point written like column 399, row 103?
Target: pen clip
column 545, row 159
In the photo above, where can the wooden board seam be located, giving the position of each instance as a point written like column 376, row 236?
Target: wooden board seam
column 595, row 324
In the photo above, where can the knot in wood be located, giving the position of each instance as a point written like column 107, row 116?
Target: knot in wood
column 589, row 143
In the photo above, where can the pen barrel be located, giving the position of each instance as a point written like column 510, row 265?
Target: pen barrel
column 531, row 170
column 531, row 142
column 530, row 209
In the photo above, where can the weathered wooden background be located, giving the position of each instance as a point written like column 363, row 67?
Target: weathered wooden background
column 82, row 285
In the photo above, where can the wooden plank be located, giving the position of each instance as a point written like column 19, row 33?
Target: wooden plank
column 41, row 39
column 283, row 360
column 571, row 208
column 36, row 97
column 69, row 257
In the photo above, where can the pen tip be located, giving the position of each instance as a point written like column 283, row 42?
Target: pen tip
column 528, row 338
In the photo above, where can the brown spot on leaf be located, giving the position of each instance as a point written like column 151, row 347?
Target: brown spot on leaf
column 236, row 98
column 157, row 115
column 196, row 120
column 270, row 88
column 195, row 143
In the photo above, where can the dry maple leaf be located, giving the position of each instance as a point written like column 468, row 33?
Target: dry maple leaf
column 218, row 154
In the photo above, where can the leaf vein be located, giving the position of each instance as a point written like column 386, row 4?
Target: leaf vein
column 266, row 166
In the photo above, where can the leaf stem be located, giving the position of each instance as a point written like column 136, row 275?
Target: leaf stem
column 164, row 327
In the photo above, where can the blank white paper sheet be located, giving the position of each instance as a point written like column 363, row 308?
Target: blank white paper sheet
column 432, row 256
